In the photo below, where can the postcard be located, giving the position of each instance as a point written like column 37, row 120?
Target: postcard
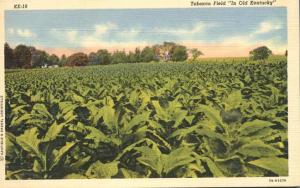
column 149, row 93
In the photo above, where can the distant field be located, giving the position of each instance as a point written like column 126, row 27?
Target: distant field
column 148, row 120
column 272, row 58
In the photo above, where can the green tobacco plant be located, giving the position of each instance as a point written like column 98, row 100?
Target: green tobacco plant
column 46, row 158
column 148, row 120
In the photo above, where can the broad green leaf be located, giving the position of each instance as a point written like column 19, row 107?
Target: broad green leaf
column 100, row 170
column 211, row 114
column 181, row 133
column 96, row 135
column 250, row 127
column 75, row 176
column 151, row 158
column 130, row 174
column 266, row 134
column 189, row 119
column 178, row 116
column 29, row 142
column 66, row 107
column 161, row 113
column 277, row 165
column 192, row 169
column 78, row 98
column 159, row 140
column 212, row 167
column 10, row 141
column 79, row 127
column 61, row 153
column 110, row 117
column 233, row 166
column 108, row 101
column 258, row 148
column 145, row 99
column 134, row 97
column 42, row 110
column 178, row 157
column 17, row 120
column 37, row 167
column 136, row 120
column 53, row 131
column 212, row 134
column 233, row 100
column 78, row 164
column 254, row 171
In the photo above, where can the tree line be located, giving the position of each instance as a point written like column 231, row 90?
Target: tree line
column 23, row 56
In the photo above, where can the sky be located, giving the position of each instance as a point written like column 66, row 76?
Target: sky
column 217, row 32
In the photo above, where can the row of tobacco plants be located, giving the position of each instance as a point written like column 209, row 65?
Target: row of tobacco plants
column 147, row 121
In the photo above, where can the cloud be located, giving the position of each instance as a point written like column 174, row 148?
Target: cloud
column 129, row 34
column 267, row 26
column 92, row 41
column 71, row 35
column 111, row 36
column 102, row 29
column 251, row 38
column 66, row 35
column 198, row 28
column 25, row 33
column 124, row 38
column 250, row 42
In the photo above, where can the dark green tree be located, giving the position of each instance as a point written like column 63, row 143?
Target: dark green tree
column 179, row 53
column 22, row 56
column 53, row 60
column 77, row 59
column 195, row 53
column 93, row 60
column 131, row 57
column 63, row 60
column 260, row 53
column 104, row 57
column 8, row 57
column 101, row 57
column 39, row 58
column 148, row 54
column 137, row 54
column 119, row 57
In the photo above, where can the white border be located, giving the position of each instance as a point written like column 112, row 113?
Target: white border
column 293, row 99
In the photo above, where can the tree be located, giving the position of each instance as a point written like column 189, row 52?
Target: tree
column 38, row 58
column 168, row 50
column 131, row 57
column 22, row 56
column 53, row 60
column 77, row 59
column 93, row 60
column 101, row 57
column 148, row 54
column 179, row 53
column 8, row 57
column 286, row 53
column 104, row 57
column 260, row 53
column 119, row 57
column 195, row 53
column 137, row 54
column 63, row 60
column 164, row 52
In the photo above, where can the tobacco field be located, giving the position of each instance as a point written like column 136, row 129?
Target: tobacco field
column 148, row 120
